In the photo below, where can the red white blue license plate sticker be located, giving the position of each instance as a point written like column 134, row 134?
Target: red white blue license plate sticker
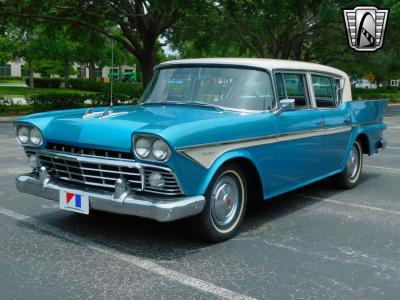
column 77, row 202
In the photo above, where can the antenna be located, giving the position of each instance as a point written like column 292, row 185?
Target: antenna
column 112, row 69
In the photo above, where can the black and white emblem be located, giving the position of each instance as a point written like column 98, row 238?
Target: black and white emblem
column 365, row 27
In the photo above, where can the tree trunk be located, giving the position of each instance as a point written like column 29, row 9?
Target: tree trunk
column 148, row 58
column 30, row 66
column 66, row 73
column 92, row 71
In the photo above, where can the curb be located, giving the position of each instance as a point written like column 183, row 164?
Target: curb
column 8, row 119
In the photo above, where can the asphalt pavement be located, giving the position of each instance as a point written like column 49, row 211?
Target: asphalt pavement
column 314, row 243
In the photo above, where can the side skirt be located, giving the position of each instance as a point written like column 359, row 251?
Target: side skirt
column 300, row 184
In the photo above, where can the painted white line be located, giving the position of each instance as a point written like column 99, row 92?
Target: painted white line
column 137, row 261
column 383, row 168
column 373, row 208
column 14, row 171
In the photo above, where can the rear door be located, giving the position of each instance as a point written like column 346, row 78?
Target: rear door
column 336, row 116
column 300, row 137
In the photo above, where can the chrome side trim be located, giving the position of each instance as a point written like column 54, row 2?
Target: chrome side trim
column 367, row 123
column 206, row 154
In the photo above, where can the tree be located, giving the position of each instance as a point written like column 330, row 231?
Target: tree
column 141, row 22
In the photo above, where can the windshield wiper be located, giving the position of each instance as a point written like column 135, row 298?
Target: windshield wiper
column 198, row 103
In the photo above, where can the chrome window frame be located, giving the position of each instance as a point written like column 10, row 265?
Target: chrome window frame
column 338, row 100
column 310, row 89
column 307, row 93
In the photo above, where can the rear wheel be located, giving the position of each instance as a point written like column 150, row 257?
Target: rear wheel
column 350, row 176
column 226, row 200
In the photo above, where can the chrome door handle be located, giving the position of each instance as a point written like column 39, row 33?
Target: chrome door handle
column 347, row 120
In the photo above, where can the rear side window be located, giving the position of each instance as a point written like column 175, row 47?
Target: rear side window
column 325, row 90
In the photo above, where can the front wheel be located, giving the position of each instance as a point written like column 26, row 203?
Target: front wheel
column 350, row 176
column 226, row 200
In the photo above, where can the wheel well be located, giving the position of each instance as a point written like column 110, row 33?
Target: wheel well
column 364, row 143
column 254, row 185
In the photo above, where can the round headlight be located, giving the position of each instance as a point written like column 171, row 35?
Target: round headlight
column 160, row 149
column 23, row 134
column 142, row 147
column 35, row 136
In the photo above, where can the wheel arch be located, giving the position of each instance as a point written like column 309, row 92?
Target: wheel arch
column 364, row 141
column 254, row 182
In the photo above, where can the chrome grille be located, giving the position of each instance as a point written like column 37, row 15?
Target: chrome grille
column 89, row 151
column 90, row 173
column 103, row 172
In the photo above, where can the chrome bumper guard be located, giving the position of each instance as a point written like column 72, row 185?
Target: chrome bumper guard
column 129, row 203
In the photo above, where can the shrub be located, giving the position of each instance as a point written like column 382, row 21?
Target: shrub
column 128, row 91
column 87, row 85
column 104, row 100
column 133, row 90
column 364, row 94
column 5, row 103
column 45, row 82
column 8, row 107
column 50, row 101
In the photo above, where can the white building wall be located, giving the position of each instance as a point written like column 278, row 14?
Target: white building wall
column 16, row 69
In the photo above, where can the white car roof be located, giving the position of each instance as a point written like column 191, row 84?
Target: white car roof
column 270, row 64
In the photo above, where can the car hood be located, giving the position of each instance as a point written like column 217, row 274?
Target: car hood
column 114, row 131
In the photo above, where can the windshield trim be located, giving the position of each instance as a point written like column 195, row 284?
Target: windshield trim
column 157, row 68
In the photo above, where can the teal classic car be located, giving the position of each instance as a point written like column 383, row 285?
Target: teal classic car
column 208, row 137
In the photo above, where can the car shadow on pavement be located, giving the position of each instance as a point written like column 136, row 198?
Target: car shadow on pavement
column 170, row 241
column 259, row 214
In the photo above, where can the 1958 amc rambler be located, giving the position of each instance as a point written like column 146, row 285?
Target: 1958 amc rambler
column 208, row 136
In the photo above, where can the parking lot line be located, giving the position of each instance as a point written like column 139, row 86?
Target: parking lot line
column 140, row 262
column 15, row 171
column 373, row 208
column 383, row 168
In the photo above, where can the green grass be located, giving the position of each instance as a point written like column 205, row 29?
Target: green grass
column 11, row 81
column 24, row 91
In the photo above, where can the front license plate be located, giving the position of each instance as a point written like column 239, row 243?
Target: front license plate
column 73, row 201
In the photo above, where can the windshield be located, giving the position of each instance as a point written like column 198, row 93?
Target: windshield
column 228, row 87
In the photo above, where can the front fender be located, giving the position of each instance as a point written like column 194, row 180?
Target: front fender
column 236, row 154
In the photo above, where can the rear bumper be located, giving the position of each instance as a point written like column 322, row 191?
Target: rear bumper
column 152, row 207
column 382, row 144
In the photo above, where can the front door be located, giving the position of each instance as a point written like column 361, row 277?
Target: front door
column 300, row 133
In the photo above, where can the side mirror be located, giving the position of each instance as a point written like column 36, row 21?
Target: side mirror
column 287, row 104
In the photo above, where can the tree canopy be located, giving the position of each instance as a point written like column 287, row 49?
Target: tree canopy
column 310, row 30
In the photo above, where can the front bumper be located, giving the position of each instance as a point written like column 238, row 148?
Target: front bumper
column 157, row 208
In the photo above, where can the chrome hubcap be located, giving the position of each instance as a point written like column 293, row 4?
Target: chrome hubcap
column 353, row 163
column 225, row 199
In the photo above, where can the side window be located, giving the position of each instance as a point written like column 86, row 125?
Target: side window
column 325, row 90
column 280, row 87
column 292, row 86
